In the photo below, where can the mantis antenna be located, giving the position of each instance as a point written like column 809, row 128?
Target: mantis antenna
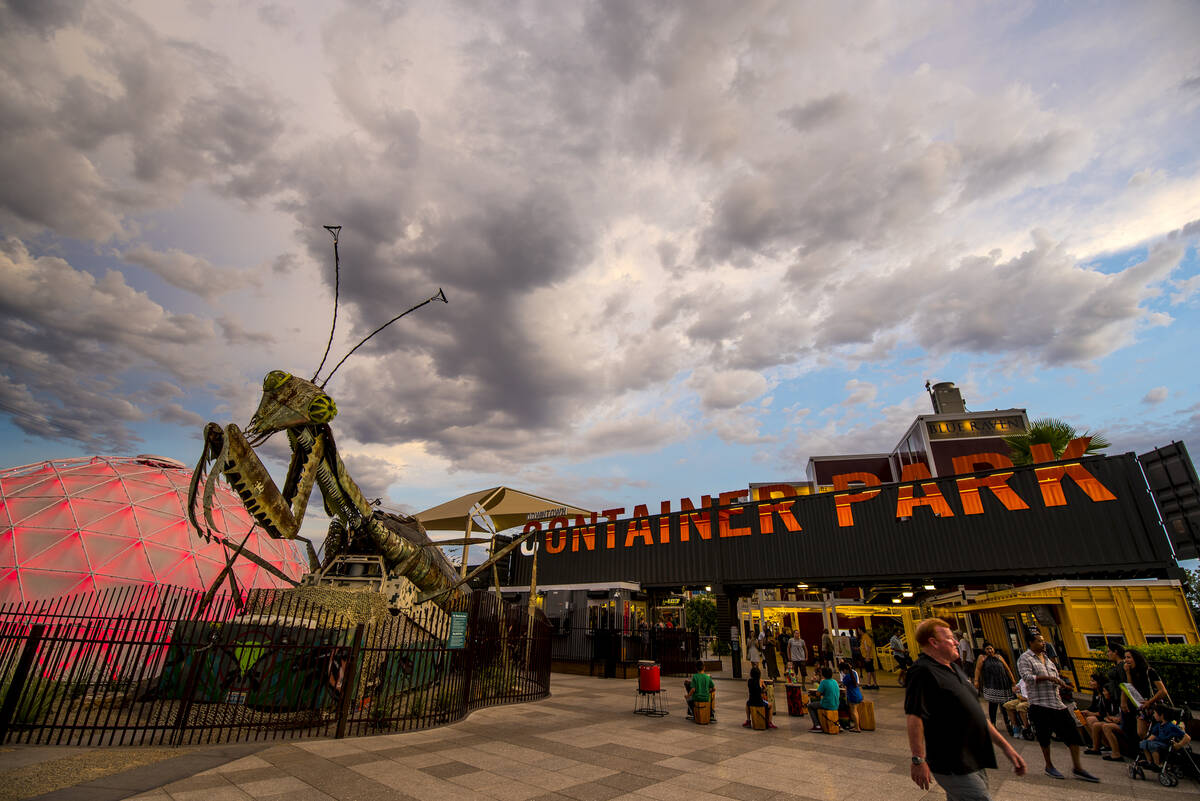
column 441, row 295
column 333, row 230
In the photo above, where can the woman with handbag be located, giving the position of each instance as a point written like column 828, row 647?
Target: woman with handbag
column 1144, row 679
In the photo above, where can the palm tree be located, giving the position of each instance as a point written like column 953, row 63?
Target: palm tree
column 1053, row 432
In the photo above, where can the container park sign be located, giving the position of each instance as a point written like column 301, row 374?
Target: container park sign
column 1074, row 517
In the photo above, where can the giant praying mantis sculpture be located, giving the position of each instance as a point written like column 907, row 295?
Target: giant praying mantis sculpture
column 303, row 410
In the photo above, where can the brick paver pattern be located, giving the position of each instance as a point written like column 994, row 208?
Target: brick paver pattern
column 585, row 744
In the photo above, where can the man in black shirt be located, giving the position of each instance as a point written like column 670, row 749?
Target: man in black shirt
column 948, row 733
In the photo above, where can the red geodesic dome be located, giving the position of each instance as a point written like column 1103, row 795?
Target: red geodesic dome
column 72, row 526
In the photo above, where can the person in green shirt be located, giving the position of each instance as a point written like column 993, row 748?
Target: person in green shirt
column 830, row 693
column 701, row 688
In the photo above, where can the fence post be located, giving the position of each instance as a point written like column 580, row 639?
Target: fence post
column 19, row 678
column 348, row 682
column 471, row 646
column 199, row 657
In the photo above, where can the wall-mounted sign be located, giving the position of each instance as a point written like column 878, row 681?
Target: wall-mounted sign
column 979, row 427
column 1004, row 522
column 546, row 514
column 674, row 600
column 458, row 630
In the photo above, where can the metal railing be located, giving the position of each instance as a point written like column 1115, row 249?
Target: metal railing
column 1182, row 679
column 153, row 665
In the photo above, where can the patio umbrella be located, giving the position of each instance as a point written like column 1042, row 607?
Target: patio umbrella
column 497, row 509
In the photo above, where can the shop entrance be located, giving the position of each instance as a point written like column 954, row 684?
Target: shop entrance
column 780, row 617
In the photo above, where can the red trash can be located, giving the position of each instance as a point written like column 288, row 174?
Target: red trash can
column 648, row 677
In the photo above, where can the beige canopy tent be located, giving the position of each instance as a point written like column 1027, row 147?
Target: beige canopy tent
column 507, row 507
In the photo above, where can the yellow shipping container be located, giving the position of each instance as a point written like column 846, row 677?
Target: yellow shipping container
column 1081, row 615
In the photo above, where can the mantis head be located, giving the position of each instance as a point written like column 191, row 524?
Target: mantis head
column 288, row 402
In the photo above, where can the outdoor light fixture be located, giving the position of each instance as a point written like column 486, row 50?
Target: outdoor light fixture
column 930, row 587
column 907, row 594
column 802, row 586
column 895, row 600
column 708, row 589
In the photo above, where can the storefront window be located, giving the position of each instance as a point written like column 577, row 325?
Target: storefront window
column 1099, row 642
column 602, row 614
column 634, row 616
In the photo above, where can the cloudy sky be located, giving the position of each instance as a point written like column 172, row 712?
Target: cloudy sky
column 686, row 245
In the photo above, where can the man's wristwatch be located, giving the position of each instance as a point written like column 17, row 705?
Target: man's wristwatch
column 918, row 760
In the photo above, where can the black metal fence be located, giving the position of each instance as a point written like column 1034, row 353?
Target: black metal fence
column 1182, row 679
column 676, row 650
column 151, row 665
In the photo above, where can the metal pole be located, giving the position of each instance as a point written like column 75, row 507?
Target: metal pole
column 348, row 682
column 19, row 678
column 501, row 613
column 532, row 606
column 199, row 657
column 462, row 568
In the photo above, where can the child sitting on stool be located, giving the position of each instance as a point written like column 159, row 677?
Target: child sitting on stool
column 700, row 687
column 755, row 685
column 830, row 696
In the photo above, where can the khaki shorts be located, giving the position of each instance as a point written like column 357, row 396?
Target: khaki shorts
column 1017, row 705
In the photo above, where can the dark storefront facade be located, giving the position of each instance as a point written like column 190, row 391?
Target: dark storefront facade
column 1089, row 518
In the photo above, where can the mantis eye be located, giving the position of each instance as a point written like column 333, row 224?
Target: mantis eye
column 274, row 380
column 322, row 409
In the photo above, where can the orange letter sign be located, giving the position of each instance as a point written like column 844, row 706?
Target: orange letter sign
column 766, row 521
column 905, row 502
column 723, row 516
column 1050, row 478
column 968, row 488
column 842, row 500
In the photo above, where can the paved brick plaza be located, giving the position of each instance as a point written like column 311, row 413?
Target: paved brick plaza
column 584, row 744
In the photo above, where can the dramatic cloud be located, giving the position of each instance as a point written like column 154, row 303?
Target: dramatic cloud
column 654, row 223
column 70, row 335
column 188, row 272
column 122, row 122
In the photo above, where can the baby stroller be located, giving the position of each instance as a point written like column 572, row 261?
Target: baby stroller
column 1177, row 762
column 1176, row 765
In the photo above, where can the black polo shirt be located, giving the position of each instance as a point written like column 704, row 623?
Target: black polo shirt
column 957, row 740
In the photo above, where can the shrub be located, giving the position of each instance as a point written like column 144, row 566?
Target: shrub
column 1179, row 668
